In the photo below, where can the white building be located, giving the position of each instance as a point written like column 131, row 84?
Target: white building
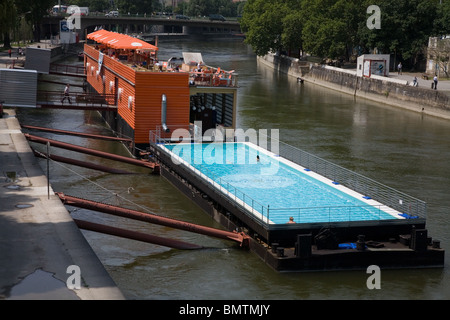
column 438, row 56
column 67, row 36
column 373, row 64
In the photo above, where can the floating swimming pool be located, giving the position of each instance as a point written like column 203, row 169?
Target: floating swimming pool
column 273, row 188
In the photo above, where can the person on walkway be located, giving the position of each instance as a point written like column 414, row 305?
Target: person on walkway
column 9, row 52
column 435, row 79
column 66, row 94
column 415, row 83
column 399, row 67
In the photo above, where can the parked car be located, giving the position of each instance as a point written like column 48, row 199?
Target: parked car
column 112, row 14
column 218, row 17
column 180, row 16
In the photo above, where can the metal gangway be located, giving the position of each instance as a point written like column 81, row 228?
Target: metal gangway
column 67, row 70
column 76, row 101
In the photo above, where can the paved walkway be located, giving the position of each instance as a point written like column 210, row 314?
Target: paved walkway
column 6, row 61
column 443, row 85
column 41, row 247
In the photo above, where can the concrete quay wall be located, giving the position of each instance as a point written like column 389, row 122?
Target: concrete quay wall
column 291, row 66
column 394, row 92
column 39, row 241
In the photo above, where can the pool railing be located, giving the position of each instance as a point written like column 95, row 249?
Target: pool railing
column 371, row 189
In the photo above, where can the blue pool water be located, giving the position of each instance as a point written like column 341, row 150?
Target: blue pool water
column 272, row 188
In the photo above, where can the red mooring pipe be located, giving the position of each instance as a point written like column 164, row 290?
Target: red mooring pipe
column 241, row 237
column 80, row 134
column 80, row 163
column 139, row 236
column 97, row 153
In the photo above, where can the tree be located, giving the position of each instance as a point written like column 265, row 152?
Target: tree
column 326, row 28
column 331, row 27
column 240, row 8
column 406, row 26
column 8, row 16
column 441, row 24
column 335, row 28
column 291, row 37
column 199, row 8
column 135, row 6
column 34, row 11
column 94, row 5
column 262, row 23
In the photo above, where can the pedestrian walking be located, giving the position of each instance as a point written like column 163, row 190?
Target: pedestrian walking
column 66, row 94
column 399, row 68
column 9, row 52
column 435, row 79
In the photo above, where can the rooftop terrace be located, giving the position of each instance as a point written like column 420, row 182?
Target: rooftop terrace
column 142, row 57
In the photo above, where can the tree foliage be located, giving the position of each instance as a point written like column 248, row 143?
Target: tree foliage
column 8, row 15
column 442, row 22
column 200, row 8
column 336, row 28
column 124, row 6
column 292, row 27
column 94, row 5
column 34, row 11
column 406, row 27
column 135, row 6
column 262, row 21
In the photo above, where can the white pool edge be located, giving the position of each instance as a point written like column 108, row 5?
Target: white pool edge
column 373, row 203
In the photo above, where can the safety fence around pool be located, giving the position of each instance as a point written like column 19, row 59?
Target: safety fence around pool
column 391, row 201
column 407, row 205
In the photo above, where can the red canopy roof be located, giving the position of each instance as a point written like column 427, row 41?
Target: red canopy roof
column 119, row 41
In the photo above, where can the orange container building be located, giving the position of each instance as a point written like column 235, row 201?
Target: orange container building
column 151, row 95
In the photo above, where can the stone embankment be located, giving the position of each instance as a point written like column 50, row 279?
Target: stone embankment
column 389, row 90
column 44, row 255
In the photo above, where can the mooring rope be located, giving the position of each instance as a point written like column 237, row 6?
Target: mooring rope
column 111, row 192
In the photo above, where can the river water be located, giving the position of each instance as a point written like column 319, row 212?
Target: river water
column 399, row 148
